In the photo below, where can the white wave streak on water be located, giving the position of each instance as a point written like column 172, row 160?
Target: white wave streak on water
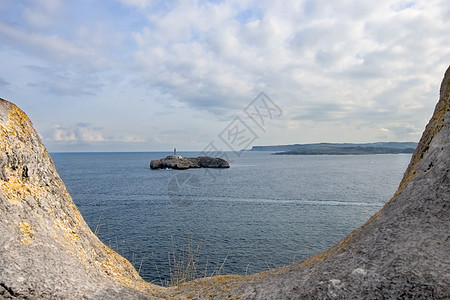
column 291, row 201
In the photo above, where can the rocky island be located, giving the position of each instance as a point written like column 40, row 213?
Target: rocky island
column 182, row 163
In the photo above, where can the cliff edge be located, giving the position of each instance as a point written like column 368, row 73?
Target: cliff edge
column 46, row 248
column 48, row 251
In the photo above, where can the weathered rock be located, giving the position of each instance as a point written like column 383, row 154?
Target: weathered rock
column 47, row 251
column 182, row 163
column 46, row 248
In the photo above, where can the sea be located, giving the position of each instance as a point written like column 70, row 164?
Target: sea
column 265, row 211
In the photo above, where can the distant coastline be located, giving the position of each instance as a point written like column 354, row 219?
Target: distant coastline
column 340, row 148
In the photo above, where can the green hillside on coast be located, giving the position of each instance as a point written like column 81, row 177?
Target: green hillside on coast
column 340, row 148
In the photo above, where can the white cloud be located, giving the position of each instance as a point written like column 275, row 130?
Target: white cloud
column 51, row 47
column 41, row 13
column 61, row 134
column 79, row 133
column 363, row 65
column 84, row 133
column 3, row 82
column 189, row 57
column 68, row 83
column 133, row 139
column 142, row 4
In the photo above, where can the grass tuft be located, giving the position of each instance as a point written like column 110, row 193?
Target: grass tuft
column 185, row 263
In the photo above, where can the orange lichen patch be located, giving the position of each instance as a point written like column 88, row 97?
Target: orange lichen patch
column 27, row 231
column 14, row 135
column 436, row 124
column 21, row 124
column 15, row 190
column 19, row 146
column 317, row 257
column 122, row 270
column 323, row 255
column 68, row 234
column 16, row 130
column 17, row 134
column 209, row 288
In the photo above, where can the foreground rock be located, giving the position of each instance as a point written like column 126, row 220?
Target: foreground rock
column 48, row 252
column 182, row 163
column 46, row 248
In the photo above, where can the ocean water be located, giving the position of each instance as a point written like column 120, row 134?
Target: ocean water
column 265, row 211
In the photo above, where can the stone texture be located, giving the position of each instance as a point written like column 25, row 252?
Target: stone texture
column 46, row 248
column 183, row 163
column 48, row 252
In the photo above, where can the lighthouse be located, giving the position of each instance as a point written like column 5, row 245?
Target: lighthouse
column 175, row 154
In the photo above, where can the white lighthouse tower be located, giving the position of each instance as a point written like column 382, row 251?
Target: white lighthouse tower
column 175, row 154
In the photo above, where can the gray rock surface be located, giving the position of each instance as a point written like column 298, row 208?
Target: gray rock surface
column 183, row 163
column 46, row 248
column 48, row 252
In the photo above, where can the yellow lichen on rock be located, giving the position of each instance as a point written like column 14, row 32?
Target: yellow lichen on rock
column 112, row 268
column 16, row 190
column 27, row 231
column 435, row 125
column 13, row 133
column 19, row 124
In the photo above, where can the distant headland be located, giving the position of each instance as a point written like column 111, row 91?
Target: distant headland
column 340, row 148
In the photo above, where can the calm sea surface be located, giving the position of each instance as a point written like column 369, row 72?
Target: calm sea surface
column 265, row 211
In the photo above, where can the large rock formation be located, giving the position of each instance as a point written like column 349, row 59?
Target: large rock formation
column 47, row 250
column 183, row 163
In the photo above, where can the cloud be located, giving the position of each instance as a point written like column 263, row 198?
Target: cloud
column 366, row 65
column 79, row 133
column 71, row 82
column 74, row 87
column 132, row 139
column 3, row 82
column 142, row 4
column 86, row 133
column 51, row 46
column 41, row 13
column 399, row 132
column 200, row 52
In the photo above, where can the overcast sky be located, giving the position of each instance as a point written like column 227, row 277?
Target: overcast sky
column 147, row 75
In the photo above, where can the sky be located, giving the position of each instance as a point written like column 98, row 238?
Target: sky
column 148, row 75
